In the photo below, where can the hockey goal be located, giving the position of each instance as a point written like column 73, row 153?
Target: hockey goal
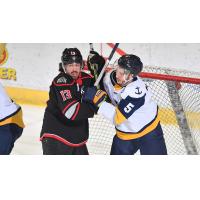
column 178, row 96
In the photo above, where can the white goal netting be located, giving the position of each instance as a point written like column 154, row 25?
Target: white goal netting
column 179, row 103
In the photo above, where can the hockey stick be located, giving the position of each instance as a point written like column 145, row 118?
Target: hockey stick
column 106, row 64
column 91, row 47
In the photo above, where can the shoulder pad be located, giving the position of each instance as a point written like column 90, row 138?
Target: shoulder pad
column 63, row 79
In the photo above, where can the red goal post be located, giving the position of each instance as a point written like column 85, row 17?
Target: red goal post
column 170, row 78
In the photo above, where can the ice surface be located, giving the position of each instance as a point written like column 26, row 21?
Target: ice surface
column 29, row 142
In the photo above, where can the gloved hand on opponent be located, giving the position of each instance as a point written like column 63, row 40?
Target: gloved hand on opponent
column 94, row 96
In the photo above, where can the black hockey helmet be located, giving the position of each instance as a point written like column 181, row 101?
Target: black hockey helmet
column 71, row 55
column 131, row 63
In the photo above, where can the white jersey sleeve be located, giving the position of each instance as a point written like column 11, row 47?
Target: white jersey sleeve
column 108, row 111
column 7, row 106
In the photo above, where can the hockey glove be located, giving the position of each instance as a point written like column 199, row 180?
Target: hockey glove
column 94, row 96
column 95, row 63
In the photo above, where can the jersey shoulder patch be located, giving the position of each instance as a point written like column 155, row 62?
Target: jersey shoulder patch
column 63, row 79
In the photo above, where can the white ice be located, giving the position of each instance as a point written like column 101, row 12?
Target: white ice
column 28, row 143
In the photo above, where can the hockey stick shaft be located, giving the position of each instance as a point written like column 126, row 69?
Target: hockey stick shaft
column 91, row 47
column 106, row 64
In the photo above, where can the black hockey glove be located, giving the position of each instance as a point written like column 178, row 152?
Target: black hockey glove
column 95, row 63
column 94, row 96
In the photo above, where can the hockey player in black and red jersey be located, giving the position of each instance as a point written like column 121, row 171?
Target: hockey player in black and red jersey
column 65, row 129
column 132, row 110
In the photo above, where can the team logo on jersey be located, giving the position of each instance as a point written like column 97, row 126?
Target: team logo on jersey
column 138, row 90
column 62, row 80
column 3, row 54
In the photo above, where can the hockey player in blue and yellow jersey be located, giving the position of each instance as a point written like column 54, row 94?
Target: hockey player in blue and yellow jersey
column 11, row 122
column 132, row 110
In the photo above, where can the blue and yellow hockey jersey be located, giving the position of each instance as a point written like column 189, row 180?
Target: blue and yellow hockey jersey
column 132, row 111
column 10, row 112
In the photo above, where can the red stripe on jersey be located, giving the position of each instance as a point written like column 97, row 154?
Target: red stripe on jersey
column 49, row 135
column 68, row 105
column 76, row 112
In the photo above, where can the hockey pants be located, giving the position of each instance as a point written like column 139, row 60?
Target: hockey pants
column 9, row 133
column 151, row 144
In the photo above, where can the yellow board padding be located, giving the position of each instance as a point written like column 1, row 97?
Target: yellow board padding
column 39, row 98
column 28, row 96
column 167, row 116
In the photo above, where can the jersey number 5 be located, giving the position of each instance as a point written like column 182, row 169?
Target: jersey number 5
column 128, row 108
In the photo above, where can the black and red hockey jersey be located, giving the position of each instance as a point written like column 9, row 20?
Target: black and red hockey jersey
column 66, row 117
